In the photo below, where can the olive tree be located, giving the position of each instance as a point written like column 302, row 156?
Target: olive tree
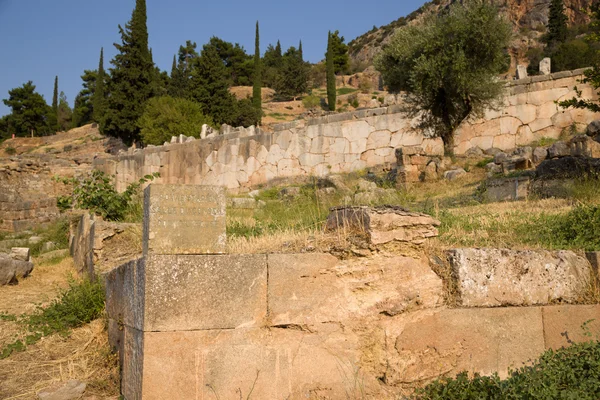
column 448, row 65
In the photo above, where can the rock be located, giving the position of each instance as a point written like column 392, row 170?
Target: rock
column 48, row 246
column 474, row 152
column 507, row 189
column 492, row 151
column 493, row 169
column 500, row 157
column 524, row 152
column 325, row 192
column 8, row 274
column 431, row 172
column 20, row 253
column 72, row 390
column 339, row 184
column 559, row 149
column 35, row 239
column 454, row 174
column 364, row 185
column 289, row 192
column 384, row 224
column 546, row 66
column 593, row 129
column 521, row 72
column 500, row 277
column 539, row 155
column 254, row 194
column 242, row 203
column 584, row 146
column 516, row 164
column 568, row 168
column 374, row 103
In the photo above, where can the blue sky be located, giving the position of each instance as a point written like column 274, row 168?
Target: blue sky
column 40, row 39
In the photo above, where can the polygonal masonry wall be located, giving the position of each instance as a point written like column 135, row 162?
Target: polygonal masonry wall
column 347, row 142
column 291, row 326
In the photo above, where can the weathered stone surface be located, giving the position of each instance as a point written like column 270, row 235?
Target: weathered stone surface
column 454, row 174
column 507, row 189
column 584, row 146
column 568, row 168
column 450, row 341
column 8, row 273
column 20, row 253
column 184, row 219
column 567, row 324
column 594, row 259
column 384, row 224
column 204, row 292
column 593, row 129
column 546, row 66
column 521, row 72
column 539, row 155
column 499, row 277
column 72, row 390
column 559, row 149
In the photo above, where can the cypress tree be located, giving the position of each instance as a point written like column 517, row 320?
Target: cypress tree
column 300, row 54
column 55, row 96
column 256, row 90
column 331, row 94
column 174, row 66
column 99, row 101
column 557, row 22
column 132, row 79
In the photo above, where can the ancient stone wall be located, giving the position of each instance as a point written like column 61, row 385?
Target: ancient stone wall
column 352, row 141
column 191, row 324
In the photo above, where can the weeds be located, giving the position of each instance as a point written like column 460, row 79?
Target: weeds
column 57, row 233
column 79, row 304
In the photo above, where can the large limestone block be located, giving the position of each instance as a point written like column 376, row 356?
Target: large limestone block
column 564, row 325
column 384, row 224
column 7, row 270
column 500, row 277
column 125, row 290
column 484, row 341
column 526, row 113
column 204, row 292
column 184, row 219
column 20, row 253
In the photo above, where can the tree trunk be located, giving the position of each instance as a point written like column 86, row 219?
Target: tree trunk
column 31, row 132
column 448, row 139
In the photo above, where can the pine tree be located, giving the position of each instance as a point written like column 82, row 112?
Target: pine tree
column 99, row 98
column 256, row 90
column 292, row 80
column 132, row 79
column 557, row 23
column 331, row 93
column 174, row 66
column 30, row 113
column 55, row 96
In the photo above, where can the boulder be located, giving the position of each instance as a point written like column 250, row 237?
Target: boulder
column 339, row 184
column 71, row 390
column 8, row 275
column 384, row 224
column 584, row 146
column 454, row 174
column 492, row 151
column 559, row 149
column 568, row 168
column 539, row 155
column 500, row 157
column 20, row 253
column 593, row 129
column 474, row 152
column 501, row 277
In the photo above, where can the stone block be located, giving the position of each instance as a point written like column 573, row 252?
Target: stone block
column 484, row 341
column 546, row 66
column 521, row 72
column 125, row 290
column 184, row 219
column 500, row 277
column 564, row 325
column 204, row 292
column 384, row 224
column 7, row 271
column 584, row 146
column 594, row 259
column 20, row 253
column 507, row 189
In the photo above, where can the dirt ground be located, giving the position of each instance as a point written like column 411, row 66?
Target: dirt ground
column 84, row 355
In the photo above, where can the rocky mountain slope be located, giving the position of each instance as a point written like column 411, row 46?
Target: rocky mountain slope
column 529, row 18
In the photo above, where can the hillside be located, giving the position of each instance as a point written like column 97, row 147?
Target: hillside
column 528, row 17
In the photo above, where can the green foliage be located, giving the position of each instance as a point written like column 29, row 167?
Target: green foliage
column 54, row 116
column 181, row 72
column 272, row 62
column 330, row 71
column 353, row 100
column 167, row 116
column 484, row 162
column 10, row 150
column 292, row 79
column 64, row 114
column 83, row 109
column 57, row 232
column 557, row 23
column 132, row 80
column 81, row 303
column 99, row 96
column 257, row 79
column 311, row 102
column 449, row 65
column 568, row 373
column 578, row 229
column 346, row 90
column 97, row 193
column 341, row 60
column 30, row 113
column 317, row 76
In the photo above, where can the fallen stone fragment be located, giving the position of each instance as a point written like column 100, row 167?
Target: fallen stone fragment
column 72, row 390
column 20, row 253
column 454, row 174
column 384, row 224
column 501, row 277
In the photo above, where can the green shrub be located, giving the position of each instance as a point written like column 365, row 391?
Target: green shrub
column 579, row 228
column 57, row 233
column 353, row 100
column 311, row 102
column 484, row 162
column 79, row 304
column 10, row 151
column 166, row 116
column 97, row 193
column 568, row 373
column 345, row 90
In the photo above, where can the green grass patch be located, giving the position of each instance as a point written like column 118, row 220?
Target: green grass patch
column 79, row 304
column 568, row 373
column 545, row 141
column 346, row 90
column 57, row 233
column 484, row 162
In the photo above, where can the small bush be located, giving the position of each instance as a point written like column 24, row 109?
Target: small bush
column 579, row 228
column 11, row 151
column 57, row 233
column 97, row 193
column 81, row 303
column 365, row 86
column 311, row 102
column 568, row 373
column 353, row 100
column 484, row 162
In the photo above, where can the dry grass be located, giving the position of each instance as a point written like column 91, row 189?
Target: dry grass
column 83, row 355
